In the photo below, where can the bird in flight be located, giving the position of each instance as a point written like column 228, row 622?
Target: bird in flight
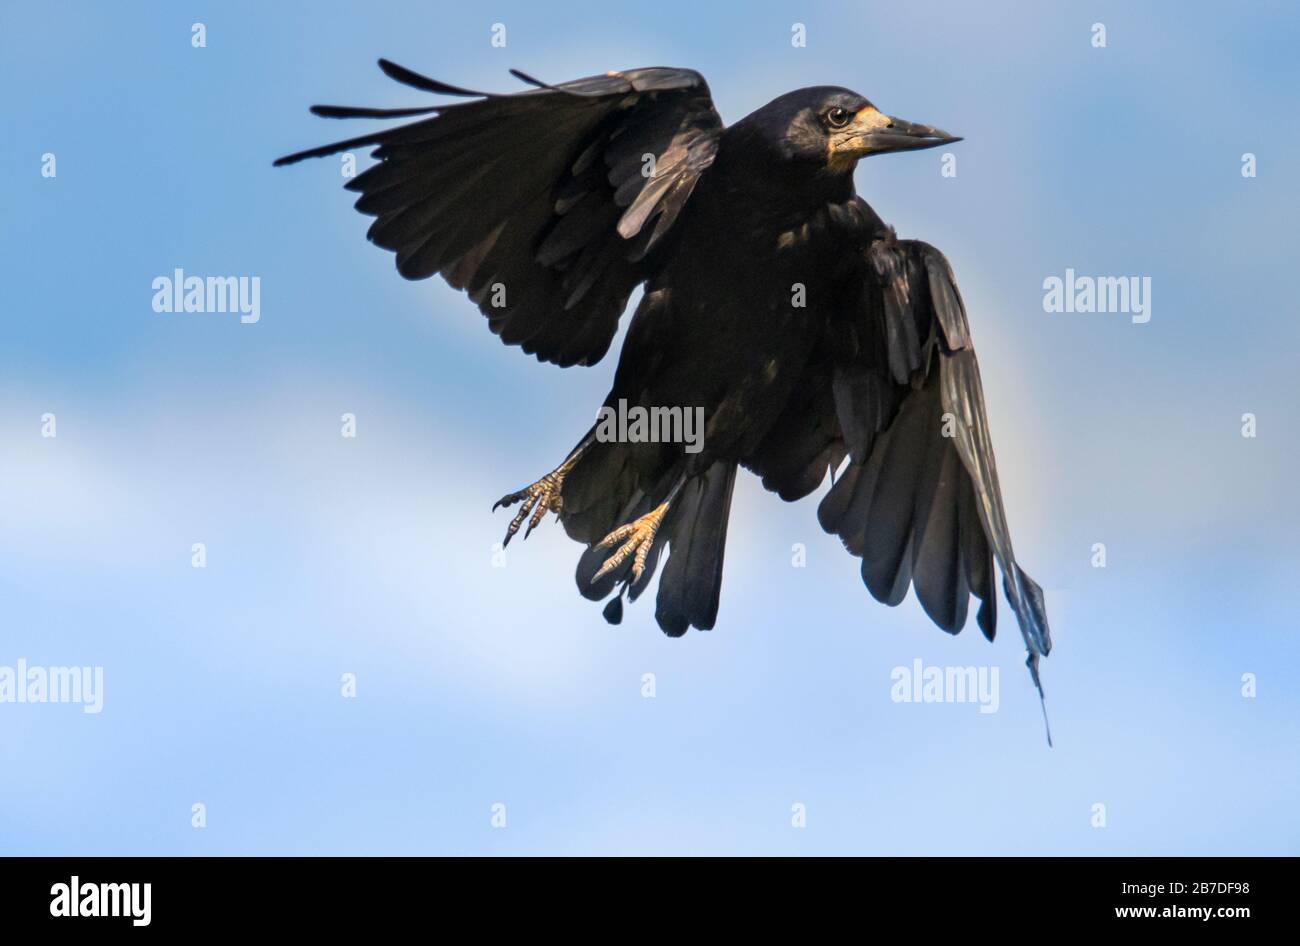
column 778, row 307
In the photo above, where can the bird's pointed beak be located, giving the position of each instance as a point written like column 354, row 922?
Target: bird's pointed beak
column 873, row 132
column 900, row 135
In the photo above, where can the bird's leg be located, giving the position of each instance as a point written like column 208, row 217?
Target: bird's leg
column 541, row 496
column 637, row 538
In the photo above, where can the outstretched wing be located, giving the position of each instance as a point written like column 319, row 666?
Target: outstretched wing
column 547, row 206
column 897, row 389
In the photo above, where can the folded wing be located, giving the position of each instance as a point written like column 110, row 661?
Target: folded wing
column 897, row 390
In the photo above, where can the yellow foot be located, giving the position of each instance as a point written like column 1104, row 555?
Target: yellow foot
column 638, row 538
column 541, row 496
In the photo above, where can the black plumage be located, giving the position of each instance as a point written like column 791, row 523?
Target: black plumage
column 777, row 304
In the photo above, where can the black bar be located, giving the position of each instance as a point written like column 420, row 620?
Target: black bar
column 204, row 895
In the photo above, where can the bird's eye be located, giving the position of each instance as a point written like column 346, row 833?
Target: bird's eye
column 838, row 117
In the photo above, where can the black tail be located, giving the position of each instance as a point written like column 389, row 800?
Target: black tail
column 692, row 579
column 602, row 494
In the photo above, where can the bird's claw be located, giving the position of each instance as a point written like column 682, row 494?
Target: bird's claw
column 637, row 538
column 537, row 499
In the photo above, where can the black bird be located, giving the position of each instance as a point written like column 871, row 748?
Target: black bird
column 778, row 307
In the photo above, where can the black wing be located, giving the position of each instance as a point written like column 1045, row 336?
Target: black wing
column 547, row 206
column 897, row 389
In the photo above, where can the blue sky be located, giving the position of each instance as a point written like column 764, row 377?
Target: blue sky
column 479, row 685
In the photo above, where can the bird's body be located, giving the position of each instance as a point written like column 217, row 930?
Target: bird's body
column 743, row 321
column 777, row 305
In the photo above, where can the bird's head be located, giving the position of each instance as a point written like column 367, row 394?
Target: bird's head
column 830, row 128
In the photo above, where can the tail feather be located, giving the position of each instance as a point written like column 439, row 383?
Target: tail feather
column 601, row 495
column 692, row 579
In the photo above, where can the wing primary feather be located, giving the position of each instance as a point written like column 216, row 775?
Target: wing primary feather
column 334, row 148
column 424, row 83
column 351, row 111
column 538, row 83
